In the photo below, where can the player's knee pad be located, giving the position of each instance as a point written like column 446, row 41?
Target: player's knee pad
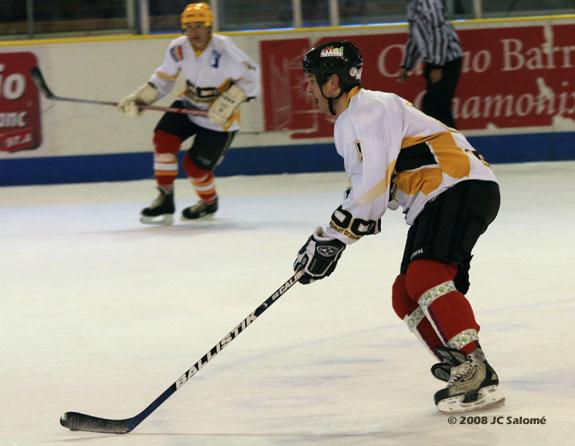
column 165, row 142
column 402, row 303
column 424, row 275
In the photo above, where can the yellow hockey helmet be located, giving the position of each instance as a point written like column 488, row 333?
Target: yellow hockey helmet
column 197, row 13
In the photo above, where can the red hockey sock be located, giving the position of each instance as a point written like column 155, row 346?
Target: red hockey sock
column 166, row 147
column 407, row 310
column 203, row 180
column 430, row 284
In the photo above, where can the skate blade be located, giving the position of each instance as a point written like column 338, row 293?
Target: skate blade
column 165, row 220
column 489, row 398
column 204, row 217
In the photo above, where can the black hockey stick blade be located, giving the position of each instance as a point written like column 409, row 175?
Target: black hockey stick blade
column 81, row 422
column 40, row 82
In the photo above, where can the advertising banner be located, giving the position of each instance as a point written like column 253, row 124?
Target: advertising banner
column 20, row 124
column 512, row 78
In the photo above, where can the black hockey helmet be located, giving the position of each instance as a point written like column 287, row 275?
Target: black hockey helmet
column 336, row 57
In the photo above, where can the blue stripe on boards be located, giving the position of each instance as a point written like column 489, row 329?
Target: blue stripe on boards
column 261, row 160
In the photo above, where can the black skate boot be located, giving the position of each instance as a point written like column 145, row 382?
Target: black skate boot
column 472, row 384
column 161, row 211
column 200, row 209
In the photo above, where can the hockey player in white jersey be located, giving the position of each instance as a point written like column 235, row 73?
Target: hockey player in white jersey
column 219, row 77
column 396, row 156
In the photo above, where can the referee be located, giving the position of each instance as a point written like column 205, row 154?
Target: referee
column 434, row 39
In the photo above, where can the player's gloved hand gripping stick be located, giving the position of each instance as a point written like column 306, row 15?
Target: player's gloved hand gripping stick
column 318, row 257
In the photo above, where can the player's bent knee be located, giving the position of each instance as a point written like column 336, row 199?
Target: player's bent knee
column 195, row 171
column 205, row 161
column 165, row 142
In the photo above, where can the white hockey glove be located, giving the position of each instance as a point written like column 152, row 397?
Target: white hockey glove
column 143, row 95
column 225, row 104
column 318, row 256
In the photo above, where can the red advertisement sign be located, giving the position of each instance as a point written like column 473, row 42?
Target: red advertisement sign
column 511, row 78
column 20, row 127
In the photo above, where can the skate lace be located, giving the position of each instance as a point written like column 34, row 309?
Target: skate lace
column 462, row 372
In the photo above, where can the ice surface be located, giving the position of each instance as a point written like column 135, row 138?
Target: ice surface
column 99, row 314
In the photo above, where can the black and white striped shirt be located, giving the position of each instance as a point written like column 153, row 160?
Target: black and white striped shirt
column 431, row 36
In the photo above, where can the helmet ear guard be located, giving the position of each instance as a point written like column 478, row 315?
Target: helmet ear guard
column 336, row 57
column 197, row 13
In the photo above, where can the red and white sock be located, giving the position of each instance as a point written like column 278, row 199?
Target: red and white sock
column 430, row 284
column 166, row 147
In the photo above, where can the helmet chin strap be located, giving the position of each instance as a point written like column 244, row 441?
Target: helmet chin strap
column 330, row 101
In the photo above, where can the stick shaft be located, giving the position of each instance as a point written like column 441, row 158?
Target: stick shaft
column 185, row 111
column 42, row 85
column 89, row 423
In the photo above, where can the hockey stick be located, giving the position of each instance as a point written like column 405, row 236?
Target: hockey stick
column 81, row 422
column 40, row 82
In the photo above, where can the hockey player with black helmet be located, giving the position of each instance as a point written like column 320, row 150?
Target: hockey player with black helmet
column 343, row 60
column 396, row 156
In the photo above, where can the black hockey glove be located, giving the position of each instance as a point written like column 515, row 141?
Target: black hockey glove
column 318, row 257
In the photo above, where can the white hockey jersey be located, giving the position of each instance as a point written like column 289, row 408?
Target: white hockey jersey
column 395, row 154
column 207, row 74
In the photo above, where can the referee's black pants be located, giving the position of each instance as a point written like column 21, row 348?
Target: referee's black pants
column 437, row 100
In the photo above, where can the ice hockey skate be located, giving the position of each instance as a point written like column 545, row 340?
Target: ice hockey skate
column 201, row 209
column 161, row 211
column 472, row 384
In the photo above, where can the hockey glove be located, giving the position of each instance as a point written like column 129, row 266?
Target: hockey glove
column 144, row 95
column 223, row 107
column 318, row 257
